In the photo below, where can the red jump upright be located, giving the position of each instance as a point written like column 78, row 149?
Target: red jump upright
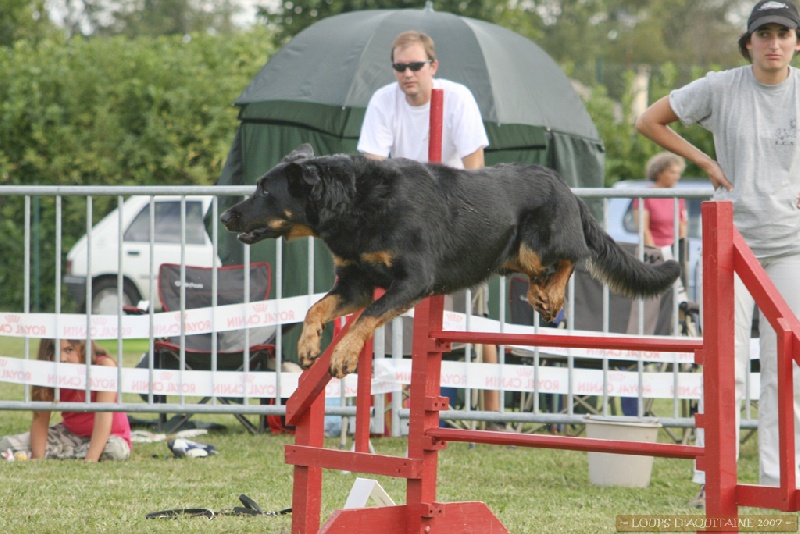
column 725, row 253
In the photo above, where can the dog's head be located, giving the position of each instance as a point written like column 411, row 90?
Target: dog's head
column 294, row 198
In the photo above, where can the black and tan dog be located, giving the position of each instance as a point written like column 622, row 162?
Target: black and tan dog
column 417, row 230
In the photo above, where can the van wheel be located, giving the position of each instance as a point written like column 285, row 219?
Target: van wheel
column 105, row 300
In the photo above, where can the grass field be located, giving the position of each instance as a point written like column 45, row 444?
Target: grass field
column 530, row 490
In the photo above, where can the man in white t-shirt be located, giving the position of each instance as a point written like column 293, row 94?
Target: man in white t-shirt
column 396, row 125
column 397, row 118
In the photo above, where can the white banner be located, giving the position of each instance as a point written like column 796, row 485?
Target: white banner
column 167, row 382
column 165, row 324
column 390, row 375
column 556, row 380
column 285, row 311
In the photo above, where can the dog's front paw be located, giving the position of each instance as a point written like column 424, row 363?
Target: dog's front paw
column 308, row 346
column 344, row 359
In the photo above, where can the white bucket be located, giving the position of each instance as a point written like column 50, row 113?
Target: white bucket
column 607, row 469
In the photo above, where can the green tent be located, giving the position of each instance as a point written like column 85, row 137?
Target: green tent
column 316, row 88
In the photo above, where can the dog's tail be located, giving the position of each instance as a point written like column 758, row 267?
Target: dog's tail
column 623, row 273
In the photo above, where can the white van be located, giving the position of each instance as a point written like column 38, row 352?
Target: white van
column 135, row 243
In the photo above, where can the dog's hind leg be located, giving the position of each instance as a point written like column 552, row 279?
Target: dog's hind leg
column 547, row 289
column 547, row 294
column 329, row 307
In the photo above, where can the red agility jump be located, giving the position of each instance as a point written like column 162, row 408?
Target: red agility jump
column 724, row 254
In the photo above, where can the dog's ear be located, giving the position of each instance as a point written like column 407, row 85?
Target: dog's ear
column 335, row 188
column 329, row 186
column 302, row 152
column 301, row 177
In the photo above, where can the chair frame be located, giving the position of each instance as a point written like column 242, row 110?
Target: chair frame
column 258, row 354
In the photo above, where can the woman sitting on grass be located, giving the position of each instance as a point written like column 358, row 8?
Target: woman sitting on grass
column 91, row 436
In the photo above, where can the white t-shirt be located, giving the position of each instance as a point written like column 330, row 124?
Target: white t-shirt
column 394, row 128
column 755, row 138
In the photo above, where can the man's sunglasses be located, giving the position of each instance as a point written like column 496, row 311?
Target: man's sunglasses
column 415, row 66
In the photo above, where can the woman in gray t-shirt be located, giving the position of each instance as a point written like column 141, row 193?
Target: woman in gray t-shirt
column 752, row 112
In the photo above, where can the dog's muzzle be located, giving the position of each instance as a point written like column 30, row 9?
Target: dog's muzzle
column 230, row 219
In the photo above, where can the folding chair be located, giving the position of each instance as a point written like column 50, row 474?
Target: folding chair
column 236, row 350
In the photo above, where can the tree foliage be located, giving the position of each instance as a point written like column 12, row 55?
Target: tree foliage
column 290, row 17
column 121, row 111
column 114, row 111
column 145, row 17
column 23, row 20
column 626, row 150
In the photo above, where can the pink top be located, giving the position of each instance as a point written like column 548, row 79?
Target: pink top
column 662, row 223
column 82, row 423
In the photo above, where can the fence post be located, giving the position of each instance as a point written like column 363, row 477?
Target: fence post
column 718, row 459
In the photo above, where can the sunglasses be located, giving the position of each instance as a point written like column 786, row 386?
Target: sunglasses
column 414, row 66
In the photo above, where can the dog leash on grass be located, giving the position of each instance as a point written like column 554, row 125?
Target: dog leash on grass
column 250, row 508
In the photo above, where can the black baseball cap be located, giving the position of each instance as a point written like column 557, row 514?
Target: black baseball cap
column 780, row 12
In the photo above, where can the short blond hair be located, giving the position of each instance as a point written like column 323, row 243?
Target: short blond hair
column 661, row 162
column 406, row 39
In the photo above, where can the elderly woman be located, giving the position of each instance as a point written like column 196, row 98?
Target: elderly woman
column 664, row 170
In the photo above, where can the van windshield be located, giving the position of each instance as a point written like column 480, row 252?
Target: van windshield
column 167, row 222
